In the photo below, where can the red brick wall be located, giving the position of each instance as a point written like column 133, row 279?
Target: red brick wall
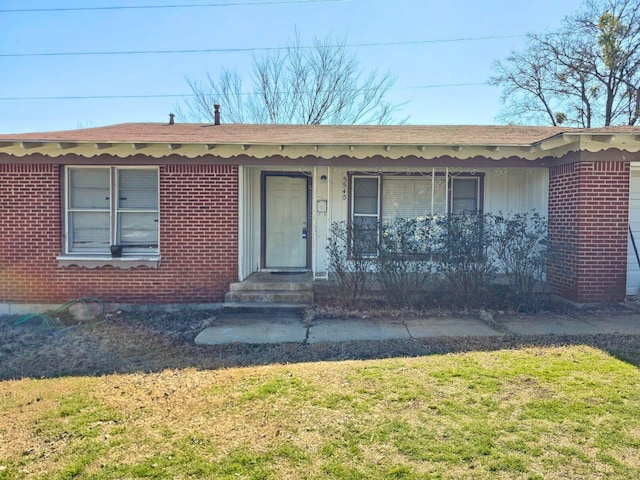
column 29, row 232
column 198, row 240
column 588, row 229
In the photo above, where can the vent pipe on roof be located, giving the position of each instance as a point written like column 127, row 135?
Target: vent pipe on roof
column 216, row 114
column 171, row 118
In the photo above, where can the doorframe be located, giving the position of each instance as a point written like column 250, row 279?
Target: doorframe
column 263, row 214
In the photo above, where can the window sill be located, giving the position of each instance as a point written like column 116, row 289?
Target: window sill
column 96, row 261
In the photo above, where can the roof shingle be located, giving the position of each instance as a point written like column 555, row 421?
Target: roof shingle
column 308, row 134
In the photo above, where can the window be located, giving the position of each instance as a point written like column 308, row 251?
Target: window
column 412, row 197
column 96, row 218
column 386, row 197
column 383, row 198
column 465, row 193
column 366, row 212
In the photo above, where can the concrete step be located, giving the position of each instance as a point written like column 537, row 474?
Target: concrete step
column 270, row 296
column 273, row 286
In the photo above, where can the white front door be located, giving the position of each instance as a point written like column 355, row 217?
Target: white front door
column 286, row 222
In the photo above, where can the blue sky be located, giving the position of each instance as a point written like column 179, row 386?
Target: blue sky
column 425, row 70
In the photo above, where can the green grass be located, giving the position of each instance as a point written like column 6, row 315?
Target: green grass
column 542, row 413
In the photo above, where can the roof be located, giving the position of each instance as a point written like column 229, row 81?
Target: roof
column 298, row 134
column 192, row 140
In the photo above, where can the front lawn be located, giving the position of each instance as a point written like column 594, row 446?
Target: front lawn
column 564, row 412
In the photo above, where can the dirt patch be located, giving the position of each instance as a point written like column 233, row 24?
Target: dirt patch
column 128, row 342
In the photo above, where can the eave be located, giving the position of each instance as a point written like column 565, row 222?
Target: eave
column 555, row 146
column 262, row 151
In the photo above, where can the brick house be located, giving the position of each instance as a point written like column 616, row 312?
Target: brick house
column 190, row 208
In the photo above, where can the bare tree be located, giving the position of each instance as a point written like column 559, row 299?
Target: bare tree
column 528, row 86
column 585, row 74
column 322, row 84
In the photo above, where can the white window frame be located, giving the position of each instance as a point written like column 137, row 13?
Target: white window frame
column 114, row 210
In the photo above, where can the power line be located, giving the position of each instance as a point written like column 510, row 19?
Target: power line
column 182, row 95
column 258, row 49
column 442, row 85
column 100, row 97
column 149, row 7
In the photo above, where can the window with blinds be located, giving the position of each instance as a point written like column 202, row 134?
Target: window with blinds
column 412, row 197
column 97, row 219
column 382, row 199
column 137, row 219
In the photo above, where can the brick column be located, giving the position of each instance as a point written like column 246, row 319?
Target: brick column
column 588, row 230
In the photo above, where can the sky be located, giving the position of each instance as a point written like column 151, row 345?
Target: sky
column 440, row 52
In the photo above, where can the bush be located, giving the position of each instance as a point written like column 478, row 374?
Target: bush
column 467, row 250
column 520, row 244
column 350, row 265
column 463, row 259
column 404, row 262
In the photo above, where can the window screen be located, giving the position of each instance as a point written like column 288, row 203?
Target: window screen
column 137, row 225
column 88, row 209
column 365, row 196
column 137, row 189
column 464, row 195
column 365, row 215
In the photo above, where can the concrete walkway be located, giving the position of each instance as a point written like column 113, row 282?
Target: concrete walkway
column 260, row 328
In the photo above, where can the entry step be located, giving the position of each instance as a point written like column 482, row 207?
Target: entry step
column 271, row 286
column 303, row 297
